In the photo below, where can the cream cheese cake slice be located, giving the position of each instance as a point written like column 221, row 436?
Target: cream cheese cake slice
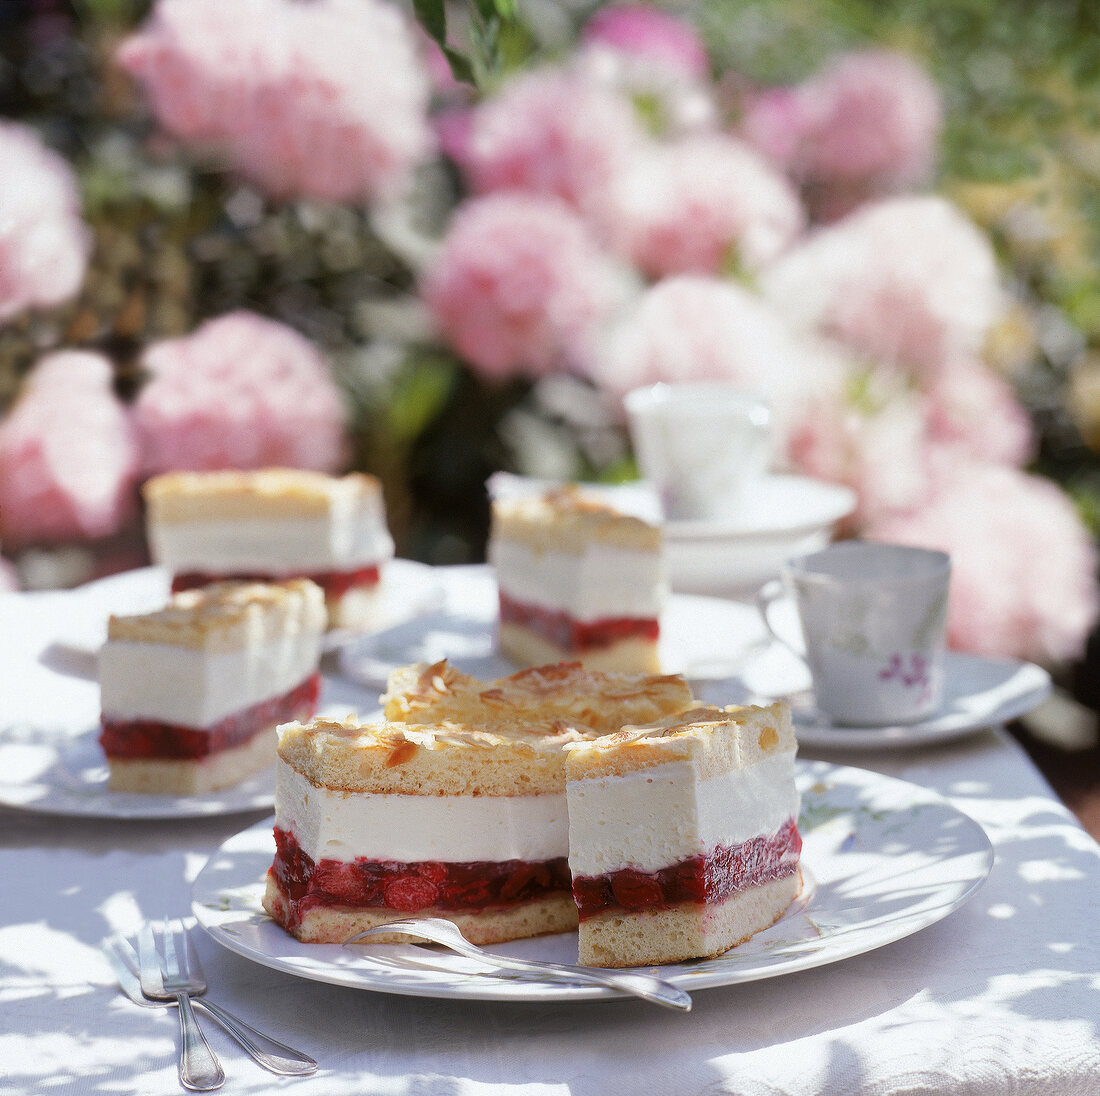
column 377, row 821
column 191, row 693
column 577, row 580
column 271, row 524
column 683, row 838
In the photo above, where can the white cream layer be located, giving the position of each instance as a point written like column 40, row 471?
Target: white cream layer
column 332, row 825
column 196, row 688
column 656, row 817
column 278, row 546
column 605, row 581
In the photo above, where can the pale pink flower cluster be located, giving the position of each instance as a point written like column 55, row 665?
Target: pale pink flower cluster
column 519, row 286
column 867, row 124
column 905, row 281
column 44, row 243
column 1023, row 571
column 649, row 34
column 326, row 99
column 704, row 204
column 241, row 391
column 68, row 456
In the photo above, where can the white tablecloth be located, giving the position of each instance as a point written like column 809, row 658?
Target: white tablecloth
column 1003, row 996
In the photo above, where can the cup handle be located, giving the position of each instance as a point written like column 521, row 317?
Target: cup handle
column 766, row 597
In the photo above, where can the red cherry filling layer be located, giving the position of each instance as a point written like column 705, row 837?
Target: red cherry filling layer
column 705, row 878
column 407, row 887
column 334, row 583
column 576, row 635
column 130, row 739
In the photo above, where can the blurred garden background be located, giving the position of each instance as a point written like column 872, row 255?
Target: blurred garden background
column 436, row 241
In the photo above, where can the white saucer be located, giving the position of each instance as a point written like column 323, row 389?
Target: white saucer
column 782, row 516
column 978, row 693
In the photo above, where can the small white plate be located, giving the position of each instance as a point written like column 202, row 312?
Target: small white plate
column 701, row 637
column 862, row 834
column 978, row 693
column 61, row 774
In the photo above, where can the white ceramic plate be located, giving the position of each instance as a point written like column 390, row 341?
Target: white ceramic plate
column 61, row 774
column 701, row 637
column 881, row 859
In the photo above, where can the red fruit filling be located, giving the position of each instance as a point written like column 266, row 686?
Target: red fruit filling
column 334, row 583
column 408, row 887
column 712, row 877
column 130, row 739
column 576, row 635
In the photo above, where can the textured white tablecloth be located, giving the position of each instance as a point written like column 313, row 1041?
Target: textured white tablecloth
column 1002, row 997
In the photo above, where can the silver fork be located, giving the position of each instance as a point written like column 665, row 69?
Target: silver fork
column 161, row 977
column 441, row 931
column 263, row 1049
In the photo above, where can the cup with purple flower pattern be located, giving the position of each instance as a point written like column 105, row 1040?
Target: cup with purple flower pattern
column 873, row 620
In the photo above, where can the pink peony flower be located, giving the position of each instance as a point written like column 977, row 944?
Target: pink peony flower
column 650, row 35
column 554, row 133
column 773, row 121
column 969, row 405
column 868, row 432
column 44, row 244
column 696, row 328
column 702, row 205
column 325, row 100
column 518, row 285
column 241, row 391
column 1023, row 581
column 907, row 281
column 68, row 456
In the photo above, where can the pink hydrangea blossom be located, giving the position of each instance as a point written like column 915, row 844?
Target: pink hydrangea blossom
column 697, row 328
column 68, row 456
column 1023, row 580
column 703, row 204
column 555, row 133
column 518, row 285
column 44, row 244
column 326, row 100
column 868, row 431
column 907, row 281
column 241, row 391
column 652, row 35
column 971, row 406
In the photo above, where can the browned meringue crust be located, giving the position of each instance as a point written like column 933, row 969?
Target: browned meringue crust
column 259, row 493
column 715, row 740
column 227, row 616
column 601, row 701
column 567, row 520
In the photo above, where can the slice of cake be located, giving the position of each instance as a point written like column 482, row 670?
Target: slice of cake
column 374, row 822
column 683, row 836
column 577, row 579
column 272, row 524
column 601, row 702
column 191, row 693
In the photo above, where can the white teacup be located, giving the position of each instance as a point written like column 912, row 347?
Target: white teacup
column 873, row 620
column 700, row 444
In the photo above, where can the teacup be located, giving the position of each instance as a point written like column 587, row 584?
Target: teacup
column 873, row 621
column 701, row 445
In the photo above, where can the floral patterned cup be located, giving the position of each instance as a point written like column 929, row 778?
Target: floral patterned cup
column 873, row 619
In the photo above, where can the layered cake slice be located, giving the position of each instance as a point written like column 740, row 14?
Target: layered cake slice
column 577, row 580
column 378, row 821
column 599, row 701
column 272, row 524
column 191, row 693
column 683, row 837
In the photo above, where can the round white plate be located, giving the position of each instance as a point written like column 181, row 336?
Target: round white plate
column 862, row 834
column 701, row 637
column 61, row 774
column 978, row 693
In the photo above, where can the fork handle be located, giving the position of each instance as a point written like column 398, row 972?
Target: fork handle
column 199, row 1070
column 265, row 1051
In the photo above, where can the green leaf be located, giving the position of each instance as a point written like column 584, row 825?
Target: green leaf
column 433, row 15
